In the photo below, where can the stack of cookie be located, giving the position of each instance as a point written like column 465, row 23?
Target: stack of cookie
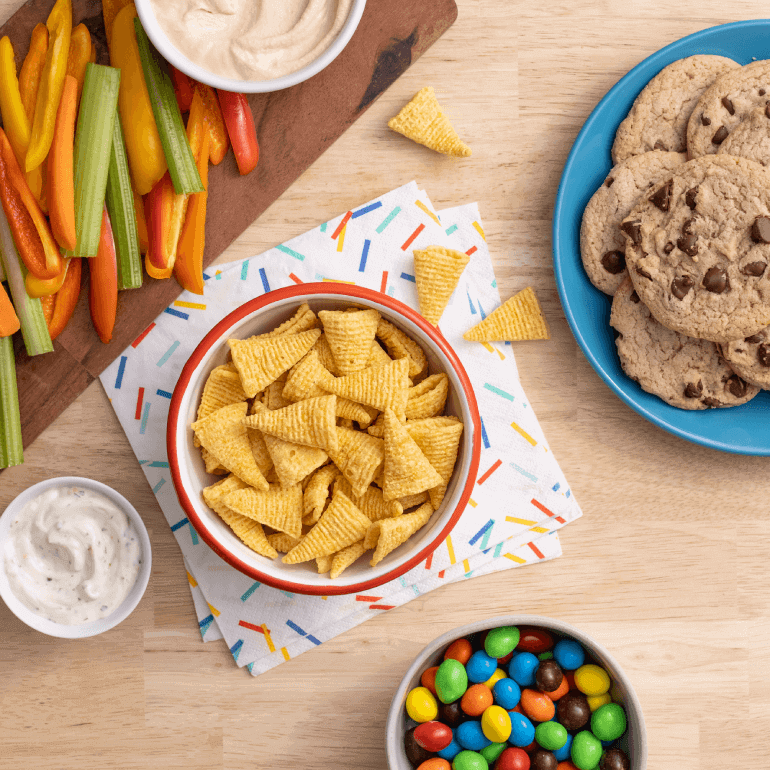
column 679, row 234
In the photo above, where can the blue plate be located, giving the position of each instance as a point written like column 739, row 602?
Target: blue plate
column 743, row 429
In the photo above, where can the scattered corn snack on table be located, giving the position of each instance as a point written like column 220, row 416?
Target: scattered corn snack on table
column 667, row 567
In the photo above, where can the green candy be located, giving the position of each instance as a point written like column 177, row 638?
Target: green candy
column 500, row 641
column 545, row 655
column 470, row 760
column 608, row 722
column 586, row 751
column 493, row 751
column 551, row 735
column 451, row 681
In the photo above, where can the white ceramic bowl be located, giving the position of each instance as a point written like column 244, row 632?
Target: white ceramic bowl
column 173, row 55
column 634, row 742
column 189, row 474
column 129, row 603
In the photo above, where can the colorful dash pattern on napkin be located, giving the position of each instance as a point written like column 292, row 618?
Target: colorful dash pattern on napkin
column 520, row 498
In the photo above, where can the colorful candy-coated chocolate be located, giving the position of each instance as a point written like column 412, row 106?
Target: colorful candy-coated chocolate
column 569, row 654
column 543, row 760
column 495, row 678
column 507, row 693
column 522, row 730
column 493, row 751
column 433, row 736
column 548, row 676
column 421, row 705
column 451, row 751
column 477, row 699
column 496, row 724
column 461, row 650
column 415, row 753
column 573, row 710
column 535, row 640
column 615, row 759
column 451, row 680
column 469, row 760
column 522, row 668
column 565, row 765
column 550, row 735
column 548, row 655
column 591, row 679
column 586, row 750
column 537, row 705
column 428, row 678
column 564, row 752
column 480, row 666
column 435, row 763
column 470, row 736
column 505, row 660
column 561, row 690
column 451, row 714
column 513, row 759
column 609, row 722
column 595, row 702
column 501, row 640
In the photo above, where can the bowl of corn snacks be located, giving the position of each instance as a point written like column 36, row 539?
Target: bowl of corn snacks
column 323, row 439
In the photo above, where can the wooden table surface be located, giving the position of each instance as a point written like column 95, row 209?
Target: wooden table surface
column 665, row 567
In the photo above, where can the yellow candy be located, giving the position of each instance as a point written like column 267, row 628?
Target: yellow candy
column 496, row 724
column 493, row 680
column 592, row 680
column 421, row 705
column 597, row 701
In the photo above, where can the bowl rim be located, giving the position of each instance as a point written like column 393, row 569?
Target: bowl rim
column 311, row 290
column 175, row 57
column 393, row 738
column 122, row 611
column 660, row 57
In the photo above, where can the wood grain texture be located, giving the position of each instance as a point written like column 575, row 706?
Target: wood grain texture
column 668, row 567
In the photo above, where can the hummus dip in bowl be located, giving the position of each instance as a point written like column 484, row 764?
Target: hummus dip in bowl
column 250, row 46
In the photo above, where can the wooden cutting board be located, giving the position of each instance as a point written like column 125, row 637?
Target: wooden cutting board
column 293, row 126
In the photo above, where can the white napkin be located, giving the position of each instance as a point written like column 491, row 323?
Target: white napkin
column 520, row 498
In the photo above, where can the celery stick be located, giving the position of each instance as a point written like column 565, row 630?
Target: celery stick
column 93, row 141
column 168, row 118
column 34, row 329
column 11, row 449
column 120, row 204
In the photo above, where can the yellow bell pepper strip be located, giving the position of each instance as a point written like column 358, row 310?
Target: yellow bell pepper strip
column 39, row 287
column 33, row 238
column 60, row 167
column 9, row 321
column 12, row 109
column 110, row 9
column 66, row 299
column 153, row 271
column 145, row 152
column 103, row 294
column 183, row 87
column 59, row 25
column 141, row 220
column 79, row 55
column 215, row 123
column 188, row 268
column 165, row 211
column 32, row 68
column 240, row 126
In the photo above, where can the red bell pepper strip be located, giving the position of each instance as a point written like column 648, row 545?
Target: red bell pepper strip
column 165, row 212
column 155, row 272
column 9, row 321
column 183, row 88
column 66, row 298
column 212, row 115
column 241, row 129
column 103, row 295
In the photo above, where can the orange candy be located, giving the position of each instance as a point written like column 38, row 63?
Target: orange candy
column 477, row 699
column 561, row 690
column 537, row 705
column 459, row 650
column 435, row 763
column 428, row 678
column 566, row 765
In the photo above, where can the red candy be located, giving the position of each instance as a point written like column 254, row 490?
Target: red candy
column 501, row 662
column 513, row 759
column 435, row 763
column 534, row 640
column 459, row 650
column 433, row 736
column 537, row 705
column 428, row 678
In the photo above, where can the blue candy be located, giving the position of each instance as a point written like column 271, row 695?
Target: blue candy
column 562, row 754
column 452, row 750
column 470, row 736
column 507, row 693
column 522, row 668
column 569, row 654
column 522, row 730
column 480, row 667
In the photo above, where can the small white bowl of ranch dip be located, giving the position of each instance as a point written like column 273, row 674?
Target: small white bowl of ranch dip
column 250, row 46
column 75, row 557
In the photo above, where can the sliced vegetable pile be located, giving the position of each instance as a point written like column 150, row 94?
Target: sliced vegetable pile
column 97, row 162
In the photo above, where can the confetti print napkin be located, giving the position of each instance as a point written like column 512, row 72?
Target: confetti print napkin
column 520, row 498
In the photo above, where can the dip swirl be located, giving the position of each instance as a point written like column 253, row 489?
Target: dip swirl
column 72, row 556
column 251, row 39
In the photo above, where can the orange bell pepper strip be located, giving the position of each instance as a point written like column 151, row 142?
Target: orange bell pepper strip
column 103, row 294
column 183, row 88
column 9, row 321
column 66, row 299
column 241, row 129
column 188, row 268
column 49, row 92
column 37, row 287
column 47, row 303
column 29, row 227
column 79, row 55
column 196, row 124
column 220, row 144
column 110, row 9
column 60, row 168
column 32, row 68
column 153, row 271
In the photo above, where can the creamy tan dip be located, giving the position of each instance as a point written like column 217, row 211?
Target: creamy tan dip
column 251, row 39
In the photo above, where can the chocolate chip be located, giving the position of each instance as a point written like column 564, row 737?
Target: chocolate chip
column 660, row 146
column 689, row 197
column 711, row 402
column 681, row 286
column 760, row 230
column 662, row 196
column 705, row 121
column 762, row 92
column 634, row 297
column 668, row 248
column 609, row 182
column 736, row 386
column 643, row 273
column 754, row 338
column 688, row 244
column 614, row 262
column 754, row 269
column 767, row 110
column 688, row 226
column 719, row 136
column 694, row 390
column 633, row 229
column 763, row 354
column 716, row 280
column 728, row 105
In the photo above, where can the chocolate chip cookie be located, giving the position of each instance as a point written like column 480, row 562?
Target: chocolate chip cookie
column 750, row 138
column 698, row 247
column 602, row 245
column 684, row 372
column 725, row 104
column 750, row 358
column 658, row 117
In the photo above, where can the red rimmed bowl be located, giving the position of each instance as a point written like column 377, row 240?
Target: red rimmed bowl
column 189, row 474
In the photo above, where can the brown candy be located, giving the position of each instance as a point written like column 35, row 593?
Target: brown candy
column 548, row 676
column 754, row 269
column 415, row 753
column 662, row 196
column 543, row 760
column 614, row 262
column 728, row 105
column 720, row 135
column 451, row 714
column 614, row 759
column 633, row 229
column 681, row 286
column 573, row 710
column 690, row 196
column 736, row 386
column 694, row 390
column 763, row 354
column 716, row 280
column 688, row 243
column 760, row 230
